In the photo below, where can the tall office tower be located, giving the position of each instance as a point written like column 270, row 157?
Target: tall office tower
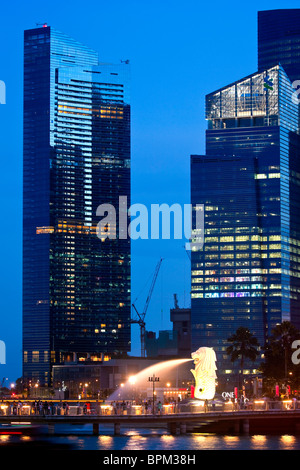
column 279, row 40
column 247, row 273
column 76, row 280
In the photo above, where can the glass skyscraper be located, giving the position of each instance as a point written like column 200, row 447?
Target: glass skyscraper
column 248, row 272
column 76, row 281
column 279, row 40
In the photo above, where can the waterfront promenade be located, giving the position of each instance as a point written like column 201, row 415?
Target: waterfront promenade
column 260, row 415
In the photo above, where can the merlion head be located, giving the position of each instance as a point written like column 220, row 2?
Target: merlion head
column 205, row 359
column 204, row 373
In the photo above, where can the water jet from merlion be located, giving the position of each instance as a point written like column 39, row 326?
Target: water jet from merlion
column 139, row 381
column 204, row 375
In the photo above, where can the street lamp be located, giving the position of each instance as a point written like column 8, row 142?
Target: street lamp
column 153, row 379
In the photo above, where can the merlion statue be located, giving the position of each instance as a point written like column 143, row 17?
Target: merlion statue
column 204, row 373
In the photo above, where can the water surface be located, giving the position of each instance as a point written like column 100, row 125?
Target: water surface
column 81, row 438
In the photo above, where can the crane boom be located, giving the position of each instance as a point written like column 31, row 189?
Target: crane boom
column 152, row 287
column 140, row 320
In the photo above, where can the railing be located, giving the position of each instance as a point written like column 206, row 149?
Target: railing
column 248, row 405
column 44, row 409
column 131, row 409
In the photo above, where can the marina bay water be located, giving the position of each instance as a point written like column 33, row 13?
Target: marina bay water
column 150, row 436
column 80, row 438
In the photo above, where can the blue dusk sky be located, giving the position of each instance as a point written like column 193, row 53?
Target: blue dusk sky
column 179, row 51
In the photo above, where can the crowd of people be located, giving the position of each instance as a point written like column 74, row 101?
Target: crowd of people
column 40, row 408
column 144, row 407
column 63, row 408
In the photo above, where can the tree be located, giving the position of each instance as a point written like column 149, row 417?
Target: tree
column 244, row 346
column 278, row 351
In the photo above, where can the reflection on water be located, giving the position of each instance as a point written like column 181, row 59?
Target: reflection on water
column 105, row 442
column 288, row 442
column 259, row 441
column 147, row 439
column 168, row 442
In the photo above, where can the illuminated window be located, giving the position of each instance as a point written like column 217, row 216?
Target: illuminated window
column 41, row 230
column 35, row 356
column 211, row 239
column 260, row 176
column 275, row 255
column 196, row 280
column 274, row 175
column 226, row 239
column 211, row 279
column 196, row 296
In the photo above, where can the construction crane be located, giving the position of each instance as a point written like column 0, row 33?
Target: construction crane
column 176, row 305
column 140, row 319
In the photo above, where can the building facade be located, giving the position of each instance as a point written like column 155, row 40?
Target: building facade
column 181, row 319
column 279, row 40
column 100, row 380
column 76, row 280
column 247, row 273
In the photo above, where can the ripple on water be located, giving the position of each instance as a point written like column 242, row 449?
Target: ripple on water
column 139, row 440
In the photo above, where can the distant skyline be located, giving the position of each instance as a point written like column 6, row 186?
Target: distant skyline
column 179, row 52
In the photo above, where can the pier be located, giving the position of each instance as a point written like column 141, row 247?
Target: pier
column 177, row 423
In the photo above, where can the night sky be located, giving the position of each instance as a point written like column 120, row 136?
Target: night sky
column 179, row 52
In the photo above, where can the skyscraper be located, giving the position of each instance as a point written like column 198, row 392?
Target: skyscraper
column 76, row 282
column 248, row 271
column 279, row 40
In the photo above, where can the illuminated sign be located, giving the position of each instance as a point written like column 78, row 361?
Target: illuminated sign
column 268, row 82
column 227, row 395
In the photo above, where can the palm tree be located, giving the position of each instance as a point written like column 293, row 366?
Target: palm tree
column 244, row 346
column 282, row 338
